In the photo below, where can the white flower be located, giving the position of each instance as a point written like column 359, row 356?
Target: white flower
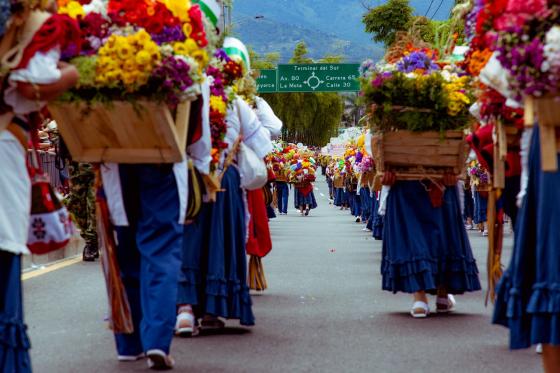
column 96, row 6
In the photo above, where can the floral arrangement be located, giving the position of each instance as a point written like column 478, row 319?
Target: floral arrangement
column 365, row 165
column 479, row 175
column 417, row 62
column 529, row 50
column 153, row 49
column 302, row 169
column 279, row 160
column 222, row 72
column 526, row 35
column 493, row 107
column 415, row 94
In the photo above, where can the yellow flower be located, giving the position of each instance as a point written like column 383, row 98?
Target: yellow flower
column 217, row 103
column 128, row 78
column 179, row 8
column 129, row 65
column 187, row 29
column 143, row 57
column 143, row 37
column 73, row 9
column 201, row 57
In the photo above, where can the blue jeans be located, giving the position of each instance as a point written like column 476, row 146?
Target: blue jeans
column 149, row 255
column 283, row 194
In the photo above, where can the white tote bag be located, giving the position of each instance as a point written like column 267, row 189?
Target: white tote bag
column 252, row 169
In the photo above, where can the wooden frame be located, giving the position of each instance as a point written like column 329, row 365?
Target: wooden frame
column 122, row 132
column 419, row 155
column 547, row 111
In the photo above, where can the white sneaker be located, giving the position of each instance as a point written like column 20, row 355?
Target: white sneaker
column 129, row 358
column 538, row 350
column 485, row 233
column 185, row 325
column 159, row 360
column 469, row 227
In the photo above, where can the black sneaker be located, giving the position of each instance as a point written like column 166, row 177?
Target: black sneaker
column 90, row 253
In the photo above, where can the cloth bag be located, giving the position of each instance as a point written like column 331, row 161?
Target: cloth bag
column 50, row 228
column 253, row 171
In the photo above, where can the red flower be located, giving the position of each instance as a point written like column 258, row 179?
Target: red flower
column 198, row 33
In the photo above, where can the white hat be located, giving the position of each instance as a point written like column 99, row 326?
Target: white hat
column 212, row 9
column 236, row 49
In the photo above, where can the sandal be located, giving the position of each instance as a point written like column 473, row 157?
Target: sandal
column 212, row 323
column 420, row 310
column 445, row 305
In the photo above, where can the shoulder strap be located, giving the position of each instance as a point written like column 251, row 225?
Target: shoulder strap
column 235, row 147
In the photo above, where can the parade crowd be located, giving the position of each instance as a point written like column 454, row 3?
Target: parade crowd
column 181, row 237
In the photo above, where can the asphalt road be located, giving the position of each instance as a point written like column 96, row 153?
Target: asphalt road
column 324, row 311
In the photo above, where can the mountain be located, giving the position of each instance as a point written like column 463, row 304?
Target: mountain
column 327, row 26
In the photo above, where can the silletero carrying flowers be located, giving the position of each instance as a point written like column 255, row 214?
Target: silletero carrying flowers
column 418, row 109
column 143, row 61
column 411, row 101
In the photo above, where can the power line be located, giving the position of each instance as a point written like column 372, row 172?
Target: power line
column 437, row 10
column 430, row 7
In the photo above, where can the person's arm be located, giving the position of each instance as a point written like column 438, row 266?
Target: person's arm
column 47, row 92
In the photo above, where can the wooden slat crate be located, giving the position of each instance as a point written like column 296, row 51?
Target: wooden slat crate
column 419, row 155
column 144, row 132
column 547, row 111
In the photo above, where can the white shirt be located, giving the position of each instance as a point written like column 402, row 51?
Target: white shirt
column 241, row 119
column 268, row 119
column 41, row 69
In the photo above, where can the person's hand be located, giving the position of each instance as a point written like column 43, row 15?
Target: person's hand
column 449, row 180
column 389, row 178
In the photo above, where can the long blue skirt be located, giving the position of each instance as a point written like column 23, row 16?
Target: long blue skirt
column 355, row 204
column 14, row 343
column 301, row 201
column 340, row 197
column 365, row 200
column 214, row 276
column 195, row 249
column 424, row 247
column 528, row 300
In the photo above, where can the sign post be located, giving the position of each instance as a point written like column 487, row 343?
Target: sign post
column 320, row 77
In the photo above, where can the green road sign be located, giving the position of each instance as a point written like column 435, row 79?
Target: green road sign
column 266, row 82
column 320, row 77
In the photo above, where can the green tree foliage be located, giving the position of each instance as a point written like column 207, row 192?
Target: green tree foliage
column 386, row 20
column 309, row 118
column 423, row 27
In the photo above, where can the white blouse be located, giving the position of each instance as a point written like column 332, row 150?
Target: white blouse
column 268, row 119
column 200, row 151
column 241, row 119
column 41, row 69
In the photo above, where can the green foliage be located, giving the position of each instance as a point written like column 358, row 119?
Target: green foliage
column 309, row 118
column 423, row 27
column 386, row 20
column 396, row 101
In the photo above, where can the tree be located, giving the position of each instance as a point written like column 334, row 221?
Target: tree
column 386, row 20
column 309, row 118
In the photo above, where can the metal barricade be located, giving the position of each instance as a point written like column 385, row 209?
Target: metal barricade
column 48, row 165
